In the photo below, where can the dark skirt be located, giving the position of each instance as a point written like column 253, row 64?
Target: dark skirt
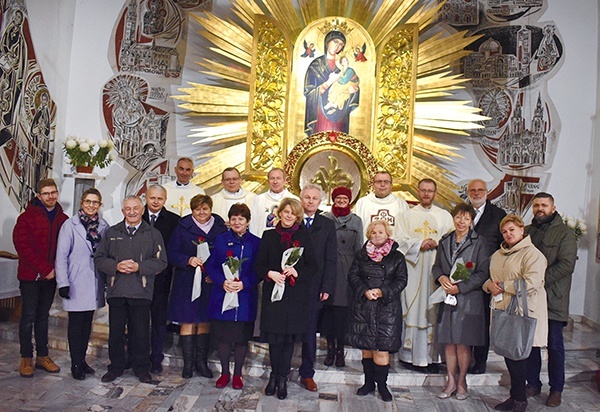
column 271, row 338
column 334, row 322
column 181, row 308
column 222, row 331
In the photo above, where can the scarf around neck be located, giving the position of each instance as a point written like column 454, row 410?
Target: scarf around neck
column 378, row 253
column 91, row 225
column 340, row 211
column 286, row 233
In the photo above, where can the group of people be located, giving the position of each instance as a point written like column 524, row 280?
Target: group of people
column 239, row 266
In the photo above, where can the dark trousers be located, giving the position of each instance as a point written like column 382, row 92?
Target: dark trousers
column 158, row 314
column 281, row 358
column 135, row 314
column 78, row 332
column 518, row 374
column 36, row 298
column 309, row 346
column 480, row 353
column 556, row 360
column 334, row 323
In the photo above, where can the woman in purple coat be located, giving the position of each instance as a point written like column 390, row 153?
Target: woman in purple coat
column 199, row 227
column 78, row 282
column 232, row 326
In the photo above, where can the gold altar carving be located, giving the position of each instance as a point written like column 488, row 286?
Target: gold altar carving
column 268, row 98
column 404, row 76
column 397, row 75
column 326, row 172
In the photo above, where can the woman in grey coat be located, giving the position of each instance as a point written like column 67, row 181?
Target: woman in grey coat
column 461, row 322
column 78, row 282
column 349, row 231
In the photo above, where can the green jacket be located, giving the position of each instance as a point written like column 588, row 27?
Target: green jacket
column 558, row 243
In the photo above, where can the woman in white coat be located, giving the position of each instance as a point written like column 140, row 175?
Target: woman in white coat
column 78, row 282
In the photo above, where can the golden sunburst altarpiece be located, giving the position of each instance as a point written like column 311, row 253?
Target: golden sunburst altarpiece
column 256, row 110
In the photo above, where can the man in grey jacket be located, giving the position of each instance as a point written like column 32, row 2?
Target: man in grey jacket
column 558, row 244
column 130, row 254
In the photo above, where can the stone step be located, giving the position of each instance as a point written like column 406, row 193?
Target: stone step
column 581, row 364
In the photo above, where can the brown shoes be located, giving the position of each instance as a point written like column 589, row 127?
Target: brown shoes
column 309, row 384
column 26, row 367
column 45, row 363
column 554, row 399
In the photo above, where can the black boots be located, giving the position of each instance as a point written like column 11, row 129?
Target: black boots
column 202, row 348
column 272, row 385
column 187, row 351
column 340, row 362
column 281, row 387
column 330, row 352
column 381, row 374
column 369, row 386
column 77, row 371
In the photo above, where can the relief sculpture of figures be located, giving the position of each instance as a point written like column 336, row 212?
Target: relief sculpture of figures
column 326, row 108
column 13, row 55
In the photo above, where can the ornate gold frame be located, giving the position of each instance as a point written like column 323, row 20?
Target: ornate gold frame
column 334, row 141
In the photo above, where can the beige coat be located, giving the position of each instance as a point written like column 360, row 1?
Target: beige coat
column 524, row 260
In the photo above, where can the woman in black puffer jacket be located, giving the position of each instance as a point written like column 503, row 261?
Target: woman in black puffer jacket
column 376, row 278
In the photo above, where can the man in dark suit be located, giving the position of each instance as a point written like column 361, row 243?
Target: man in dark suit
column 487, row 224
column 165, row 222
column 324, row 239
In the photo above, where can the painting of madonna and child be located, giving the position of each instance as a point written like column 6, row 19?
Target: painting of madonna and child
column 334, row 79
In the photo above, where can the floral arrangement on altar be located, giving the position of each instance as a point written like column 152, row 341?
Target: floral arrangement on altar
column 577, row 225
column 88, row 153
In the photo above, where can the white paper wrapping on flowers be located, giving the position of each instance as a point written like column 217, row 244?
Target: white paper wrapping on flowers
column 230, row 301
column 279, row 289
column 202, row 252
column 440, row 294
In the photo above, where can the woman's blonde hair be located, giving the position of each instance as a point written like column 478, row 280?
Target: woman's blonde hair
column 514, row 219
column 294, row 204
column 383, row 223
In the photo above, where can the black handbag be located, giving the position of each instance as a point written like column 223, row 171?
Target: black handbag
column 512, row 330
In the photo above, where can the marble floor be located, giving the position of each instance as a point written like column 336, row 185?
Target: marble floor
column 412, row 391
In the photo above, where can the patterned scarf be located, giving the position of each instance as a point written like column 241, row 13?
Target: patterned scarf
column 378, row 253
column 286, row 233
column 91, row 224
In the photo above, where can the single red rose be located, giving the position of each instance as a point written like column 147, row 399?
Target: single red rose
column 469, row 265
column 200, row 239
column 296, row 243
column 230, row 253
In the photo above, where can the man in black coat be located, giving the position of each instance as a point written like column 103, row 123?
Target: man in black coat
column 324, row 240
column 487, row 224
column 165, row 222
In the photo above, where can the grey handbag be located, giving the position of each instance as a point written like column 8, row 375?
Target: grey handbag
column 512, row 331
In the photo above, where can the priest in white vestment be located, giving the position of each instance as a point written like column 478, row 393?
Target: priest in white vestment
column 232, row 193
column 421, row 228
column 264, row 206
column 381, row 204
column 181, row 190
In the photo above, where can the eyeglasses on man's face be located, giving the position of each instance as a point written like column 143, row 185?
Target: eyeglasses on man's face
column 49, row 194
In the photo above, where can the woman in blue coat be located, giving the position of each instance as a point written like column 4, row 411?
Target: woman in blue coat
column 232, row 328
column 192, row 315
column 78, row 282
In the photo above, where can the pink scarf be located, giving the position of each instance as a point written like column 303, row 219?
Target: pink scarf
column 378, row 253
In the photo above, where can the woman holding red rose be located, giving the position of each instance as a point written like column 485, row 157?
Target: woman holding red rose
column 462, row 324
column 283, row 322
column 232, row 328
column 199, row 227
